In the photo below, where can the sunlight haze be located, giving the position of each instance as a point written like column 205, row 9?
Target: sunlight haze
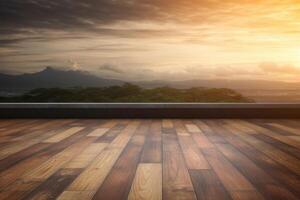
column 153, row 39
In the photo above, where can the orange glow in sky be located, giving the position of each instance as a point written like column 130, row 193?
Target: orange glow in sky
column 155, row 39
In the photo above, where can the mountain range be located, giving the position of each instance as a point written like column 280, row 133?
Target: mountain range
column 51, row 78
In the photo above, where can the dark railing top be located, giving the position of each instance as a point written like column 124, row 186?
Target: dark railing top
column 149, row 105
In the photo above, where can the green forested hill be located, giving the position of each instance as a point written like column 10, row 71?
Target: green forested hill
column 129, row 93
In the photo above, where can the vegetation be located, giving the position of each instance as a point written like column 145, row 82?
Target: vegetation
column 129, row 93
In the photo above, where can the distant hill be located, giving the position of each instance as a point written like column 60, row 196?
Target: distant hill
column 52, row 78
column 223, row 83
column 130, row 93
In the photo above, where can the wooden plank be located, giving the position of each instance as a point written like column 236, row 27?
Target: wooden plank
column 207, row 185
column 176, row 180
column 246, row 195
column 16, row 147
column 47, row 127
column 281, row 157
column 93, row 176
column 85, row 157
column 232, row 179
column 296, row 138
column 147, row 184
column 280, row 145
column 33, row 147
column 260, row 179
column 153, row 146
column 284, row 139
column 67, row 133
column 207, row 128
column 21, row 155
column 76, row 195
column 13, row 129
column 49, row 167
column 112, row 133
column 193, row 156
column 53, row 186
column 192, row 128
column 103, row 129
column 202, row 141
column 19, row 190
column 8, row 122
column 12, row 195
column 167, row 123
column 122, row 163
column 286, row 128
column 117, row 184
column 278, row 172
column 98, row 132
column 12, row 174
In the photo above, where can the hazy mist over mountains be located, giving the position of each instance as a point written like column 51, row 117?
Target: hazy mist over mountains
column 52, row 77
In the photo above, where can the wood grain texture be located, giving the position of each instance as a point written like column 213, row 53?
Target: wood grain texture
column 246, row 195
column 53, row 186
column 193, row 128
column 117, row 159
column 208, row 186
column 86, row 156
column 167, row 123
column 103, row 163
column 278, row 172
column 76, row 195
column 63, row 135
column 117, row 183
column 265, row 131
column 153, row 144
column 49, row 167
column 176, row 180
column 281, row 157
column 261, row 180
column 147, row 184
column 98, row 132
column 233, row 180
column 286, row 128
column 193, row 156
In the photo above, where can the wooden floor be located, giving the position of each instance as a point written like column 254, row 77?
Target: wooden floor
column 149, row 159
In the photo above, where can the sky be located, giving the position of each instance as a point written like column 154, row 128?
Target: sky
column 153, row 39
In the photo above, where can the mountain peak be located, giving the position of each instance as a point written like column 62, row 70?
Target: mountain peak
column 49, row 69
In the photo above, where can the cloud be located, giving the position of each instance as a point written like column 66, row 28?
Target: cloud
column 89, row 15
column 70, row 14
column 159, row 32
column 270, row 67
column 111, row 68
column 223, row 72
column 74, row 64
column 127, row 18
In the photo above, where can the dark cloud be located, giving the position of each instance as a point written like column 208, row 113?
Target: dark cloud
column 74, row 16
column 36, row 20
column 12, row 41
column 87, row 15
column 69, row 14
